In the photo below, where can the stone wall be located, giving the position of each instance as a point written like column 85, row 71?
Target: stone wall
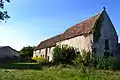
column 42, row 53
column 107, row 32
column 80, row 42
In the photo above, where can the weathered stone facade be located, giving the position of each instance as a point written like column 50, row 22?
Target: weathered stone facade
column 80, row 42
column 108, row 32
column 84, row 39
column 46, row 53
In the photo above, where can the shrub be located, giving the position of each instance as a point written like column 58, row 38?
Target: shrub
column 106, row 62
column 40, row 60
column 84, row 60
column 87, row 60
column 64, row 54
column 78, row 62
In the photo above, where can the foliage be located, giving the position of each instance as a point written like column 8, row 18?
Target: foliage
column 3, row 14
column 79, row 63
column 85, row 59
column 40, row 60
column 64, row 54
column 27, row 51
column 106, row 63
column 96, row 28
column 56, row 74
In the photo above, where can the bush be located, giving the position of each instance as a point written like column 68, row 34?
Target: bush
column 68, row 55
column 64, row 54
column 106, row 62
column 40, row 60
column 87, row 60
column 84, row 60
column 78, row 62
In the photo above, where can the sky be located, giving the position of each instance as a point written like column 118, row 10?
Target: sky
column 33, row 21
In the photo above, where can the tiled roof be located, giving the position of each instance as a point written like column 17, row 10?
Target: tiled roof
column 79, row 29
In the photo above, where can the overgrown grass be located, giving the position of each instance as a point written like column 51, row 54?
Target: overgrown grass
column 53, row 73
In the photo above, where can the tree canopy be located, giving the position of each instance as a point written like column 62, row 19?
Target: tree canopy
column 27, row 51
column 3, row 13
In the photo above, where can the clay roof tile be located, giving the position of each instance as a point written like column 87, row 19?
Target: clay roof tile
column 76, row 30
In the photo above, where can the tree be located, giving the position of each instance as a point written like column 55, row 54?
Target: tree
column 27, row 52
column 3, row 13
column 64, row 54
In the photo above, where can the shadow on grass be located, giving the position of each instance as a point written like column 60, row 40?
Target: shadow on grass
column 34, row 66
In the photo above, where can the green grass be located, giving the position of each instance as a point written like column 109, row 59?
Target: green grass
column 28, row 71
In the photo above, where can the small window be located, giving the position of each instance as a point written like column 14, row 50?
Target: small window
column 94, row 50
column 106, row 44
column 39, row 51
column 46, row 52
column 48, row 58
column 111, row 55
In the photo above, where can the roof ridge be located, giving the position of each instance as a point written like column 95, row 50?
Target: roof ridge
column 98, row 14
column 51, row 37
column 81, row 28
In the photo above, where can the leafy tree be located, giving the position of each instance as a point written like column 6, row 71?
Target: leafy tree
column 27, row 52
column 3, row 13
column 64, row 54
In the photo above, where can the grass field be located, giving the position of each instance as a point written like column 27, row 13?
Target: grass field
column 33, row 71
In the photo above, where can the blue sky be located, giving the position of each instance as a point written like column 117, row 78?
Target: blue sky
column 35, row 20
